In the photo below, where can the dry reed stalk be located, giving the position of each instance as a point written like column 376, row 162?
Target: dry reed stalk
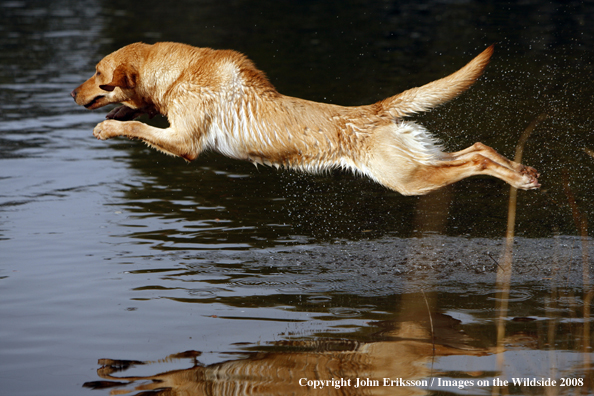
column 504, row 271
column 581, row 223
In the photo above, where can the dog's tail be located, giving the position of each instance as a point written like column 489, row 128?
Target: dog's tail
column 437, row 92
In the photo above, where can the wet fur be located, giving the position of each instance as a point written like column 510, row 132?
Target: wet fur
column 219, row 100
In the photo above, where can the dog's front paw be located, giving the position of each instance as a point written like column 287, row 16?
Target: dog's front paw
column 124, row 113
column 108, row 129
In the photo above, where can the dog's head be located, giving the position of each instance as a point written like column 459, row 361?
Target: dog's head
column 115, row 80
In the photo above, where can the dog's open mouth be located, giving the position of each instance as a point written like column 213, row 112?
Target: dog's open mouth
column 93, row 102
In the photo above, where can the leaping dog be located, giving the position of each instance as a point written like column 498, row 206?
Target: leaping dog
column 218, row 100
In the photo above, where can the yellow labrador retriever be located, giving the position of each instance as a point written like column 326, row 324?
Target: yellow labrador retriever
column 219, row 100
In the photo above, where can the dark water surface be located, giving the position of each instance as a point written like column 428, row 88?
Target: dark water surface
column 126, row 271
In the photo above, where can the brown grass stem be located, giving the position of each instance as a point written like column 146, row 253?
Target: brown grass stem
column 504, row 271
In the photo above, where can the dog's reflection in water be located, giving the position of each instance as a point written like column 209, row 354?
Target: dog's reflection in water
column 404, row 354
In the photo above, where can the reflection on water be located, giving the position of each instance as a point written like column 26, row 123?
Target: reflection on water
column 397, row 363
column 420, row 353
column 112, row 252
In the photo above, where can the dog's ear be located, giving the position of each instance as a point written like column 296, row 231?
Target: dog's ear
column 124, row 77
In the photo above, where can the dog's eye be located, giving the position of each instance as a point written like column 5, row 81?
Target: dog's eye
column 98, row 73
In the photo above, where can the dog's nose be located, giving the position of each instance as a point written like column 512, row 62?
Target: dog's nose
column 73, row 93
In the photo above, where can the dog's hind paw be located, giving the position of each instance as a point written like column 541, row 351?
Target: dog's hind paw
column 528, row 182
column 530, row 171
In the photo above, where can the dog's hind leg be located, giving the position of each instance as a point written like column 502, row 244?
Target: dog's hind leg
column 427, row 178
column 404, row 159
column 486, row 151
column 409, row 174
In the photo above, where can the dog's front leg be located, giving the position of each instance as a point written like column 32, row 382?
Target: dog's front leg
column 167, row 140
